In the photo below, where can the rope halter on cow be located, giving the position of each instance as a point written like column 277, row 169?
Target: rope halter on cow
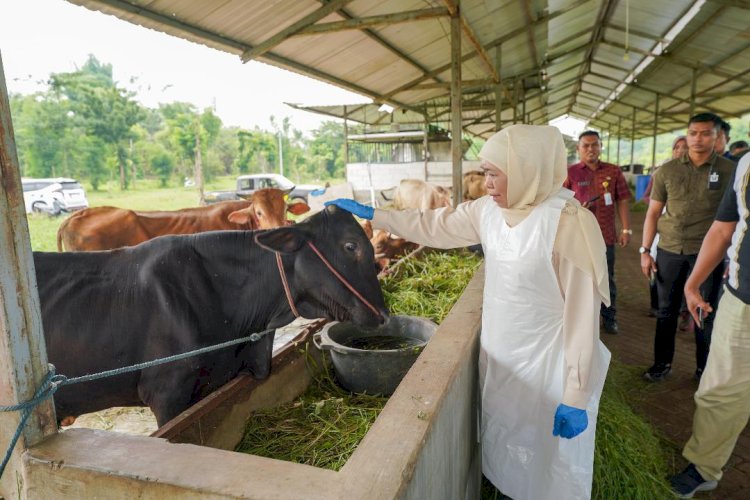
column 338, row 276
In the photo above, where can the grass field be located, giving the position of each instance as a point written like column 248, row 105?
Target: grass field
column 146, row 196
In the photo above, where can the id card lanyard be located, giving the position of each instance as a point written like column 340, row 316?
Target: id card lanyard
column 607, row 194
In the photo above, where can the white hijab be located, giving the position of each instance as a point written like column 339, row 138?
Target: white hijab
column 534, row 159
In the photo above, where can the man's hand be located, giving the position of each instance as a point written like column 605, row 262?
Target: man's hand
column 362, row 211
column 648, row 265
column 694, row 300
column 624, row 239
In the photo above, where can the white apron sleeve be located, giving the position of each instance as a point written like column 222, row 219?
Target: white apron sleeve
column 439, row 228
column 580, row 329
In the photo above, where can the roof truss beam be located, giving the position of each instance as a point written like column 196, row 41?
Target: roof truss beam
column 373, row 21
column 295, row 28
column 468, row 31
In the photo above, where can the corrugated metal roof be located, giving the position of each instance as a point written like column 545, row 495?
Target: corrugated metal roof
column 604, row 61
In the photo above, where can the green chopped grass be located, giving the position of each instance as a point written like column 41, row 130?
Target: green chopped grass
column 630, row 460
column 321, row 428
column 429, row 286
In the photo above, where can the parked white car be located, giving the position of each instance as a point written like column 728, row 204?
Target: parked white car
column 53, row 196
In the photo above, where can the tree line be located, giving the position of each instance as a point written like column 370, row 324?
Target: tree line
column 87, row 127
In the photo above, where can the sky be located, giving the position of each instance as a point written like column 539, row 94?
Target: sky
column 39, row 37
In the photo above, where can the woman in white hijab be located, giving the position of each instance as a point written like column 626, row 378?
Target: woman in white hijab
column 542, row 365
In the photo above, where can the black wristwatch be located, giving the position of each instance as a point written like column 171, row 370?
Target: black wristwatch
column 644, row 250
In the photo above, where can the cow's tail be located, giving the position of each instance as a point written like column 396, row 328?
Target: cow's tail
column 60, row 231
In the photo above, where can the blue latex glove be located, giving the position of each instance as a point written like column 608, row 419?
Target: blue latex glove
column 362, row 211
column 569, row 421
column 318, row 192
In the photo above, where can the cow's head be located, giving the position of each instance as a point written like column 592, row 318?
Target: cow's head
column 317, row 292
column 267, row 210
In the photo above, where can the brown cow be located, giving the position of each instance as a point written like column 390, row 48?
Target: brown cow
column 388, row 246
column 413, row 193
column 105, row 228
column 474, row 187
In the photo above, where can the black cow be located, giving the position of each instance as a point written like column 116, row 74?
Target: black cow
column 108, row 309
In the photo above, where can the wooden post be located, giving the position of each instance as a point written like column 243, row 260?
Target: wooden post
column 499, row 88
column 23, row 356
column 456, row 97
column 656, row 122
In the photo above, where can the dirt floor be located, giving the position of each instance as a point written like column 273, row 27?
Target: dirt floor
column 668, row 405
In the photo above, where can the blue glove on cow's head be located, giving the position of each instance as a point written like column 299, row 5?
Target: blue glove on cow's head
column 569, row 421
column 362, row 211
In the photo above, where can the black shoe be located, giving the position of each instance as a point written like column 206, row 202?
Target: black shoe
column 610, row 326
column 658, row 372
column 698, row 373
column 687, row 482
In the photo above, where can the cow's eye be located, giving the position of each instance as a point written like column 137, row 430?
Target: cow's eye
column 351, row 246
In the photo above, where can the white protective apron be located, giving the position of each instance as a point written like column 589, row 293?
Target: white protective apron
column 522, row 367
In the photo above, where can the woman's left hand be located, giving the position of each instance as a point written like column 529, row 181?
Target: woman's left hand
column 569, row 421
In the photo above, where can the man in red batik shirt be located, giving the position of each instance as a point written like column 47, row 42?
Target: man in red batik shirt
column 601, row 188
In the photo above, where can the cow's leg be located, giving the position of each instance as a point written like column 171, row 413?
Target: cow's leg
column 167, row 391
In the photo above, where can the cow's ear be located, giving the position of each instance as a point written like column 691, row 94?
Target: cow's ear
column 243, row 216
column 298, row 208
column 285, row 240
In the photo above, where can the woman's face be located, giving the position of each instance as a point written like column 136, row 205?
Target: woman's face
column 679, row 149
column 497, row 184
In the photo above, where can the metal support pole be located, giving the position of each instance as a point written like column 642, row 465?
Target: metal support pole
column 609, row 136
column 23, row 356
column 346, row 137
column 656, row 122
column 619, row 135
column 426, row 145
column 692, row 92
column 523, row 102
column 456, row 97
column 632, row 139
column 499, row 88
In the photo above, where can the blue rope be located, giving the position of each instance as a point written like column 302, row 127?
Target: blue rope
column 52, row 382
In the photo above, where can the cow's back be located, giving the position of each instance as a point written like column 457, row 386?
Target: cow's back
column 414, row 193
column 191, row 220
column 107, row 228
column 101, row 228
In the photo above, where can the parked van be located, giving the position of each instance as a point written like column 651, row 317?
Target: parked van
column 53, row 196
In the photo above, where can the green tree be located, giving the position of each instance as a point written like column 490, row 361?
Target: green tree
column 326, row 150
column 100, row 108
column 162, row 165
column 257, row 151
